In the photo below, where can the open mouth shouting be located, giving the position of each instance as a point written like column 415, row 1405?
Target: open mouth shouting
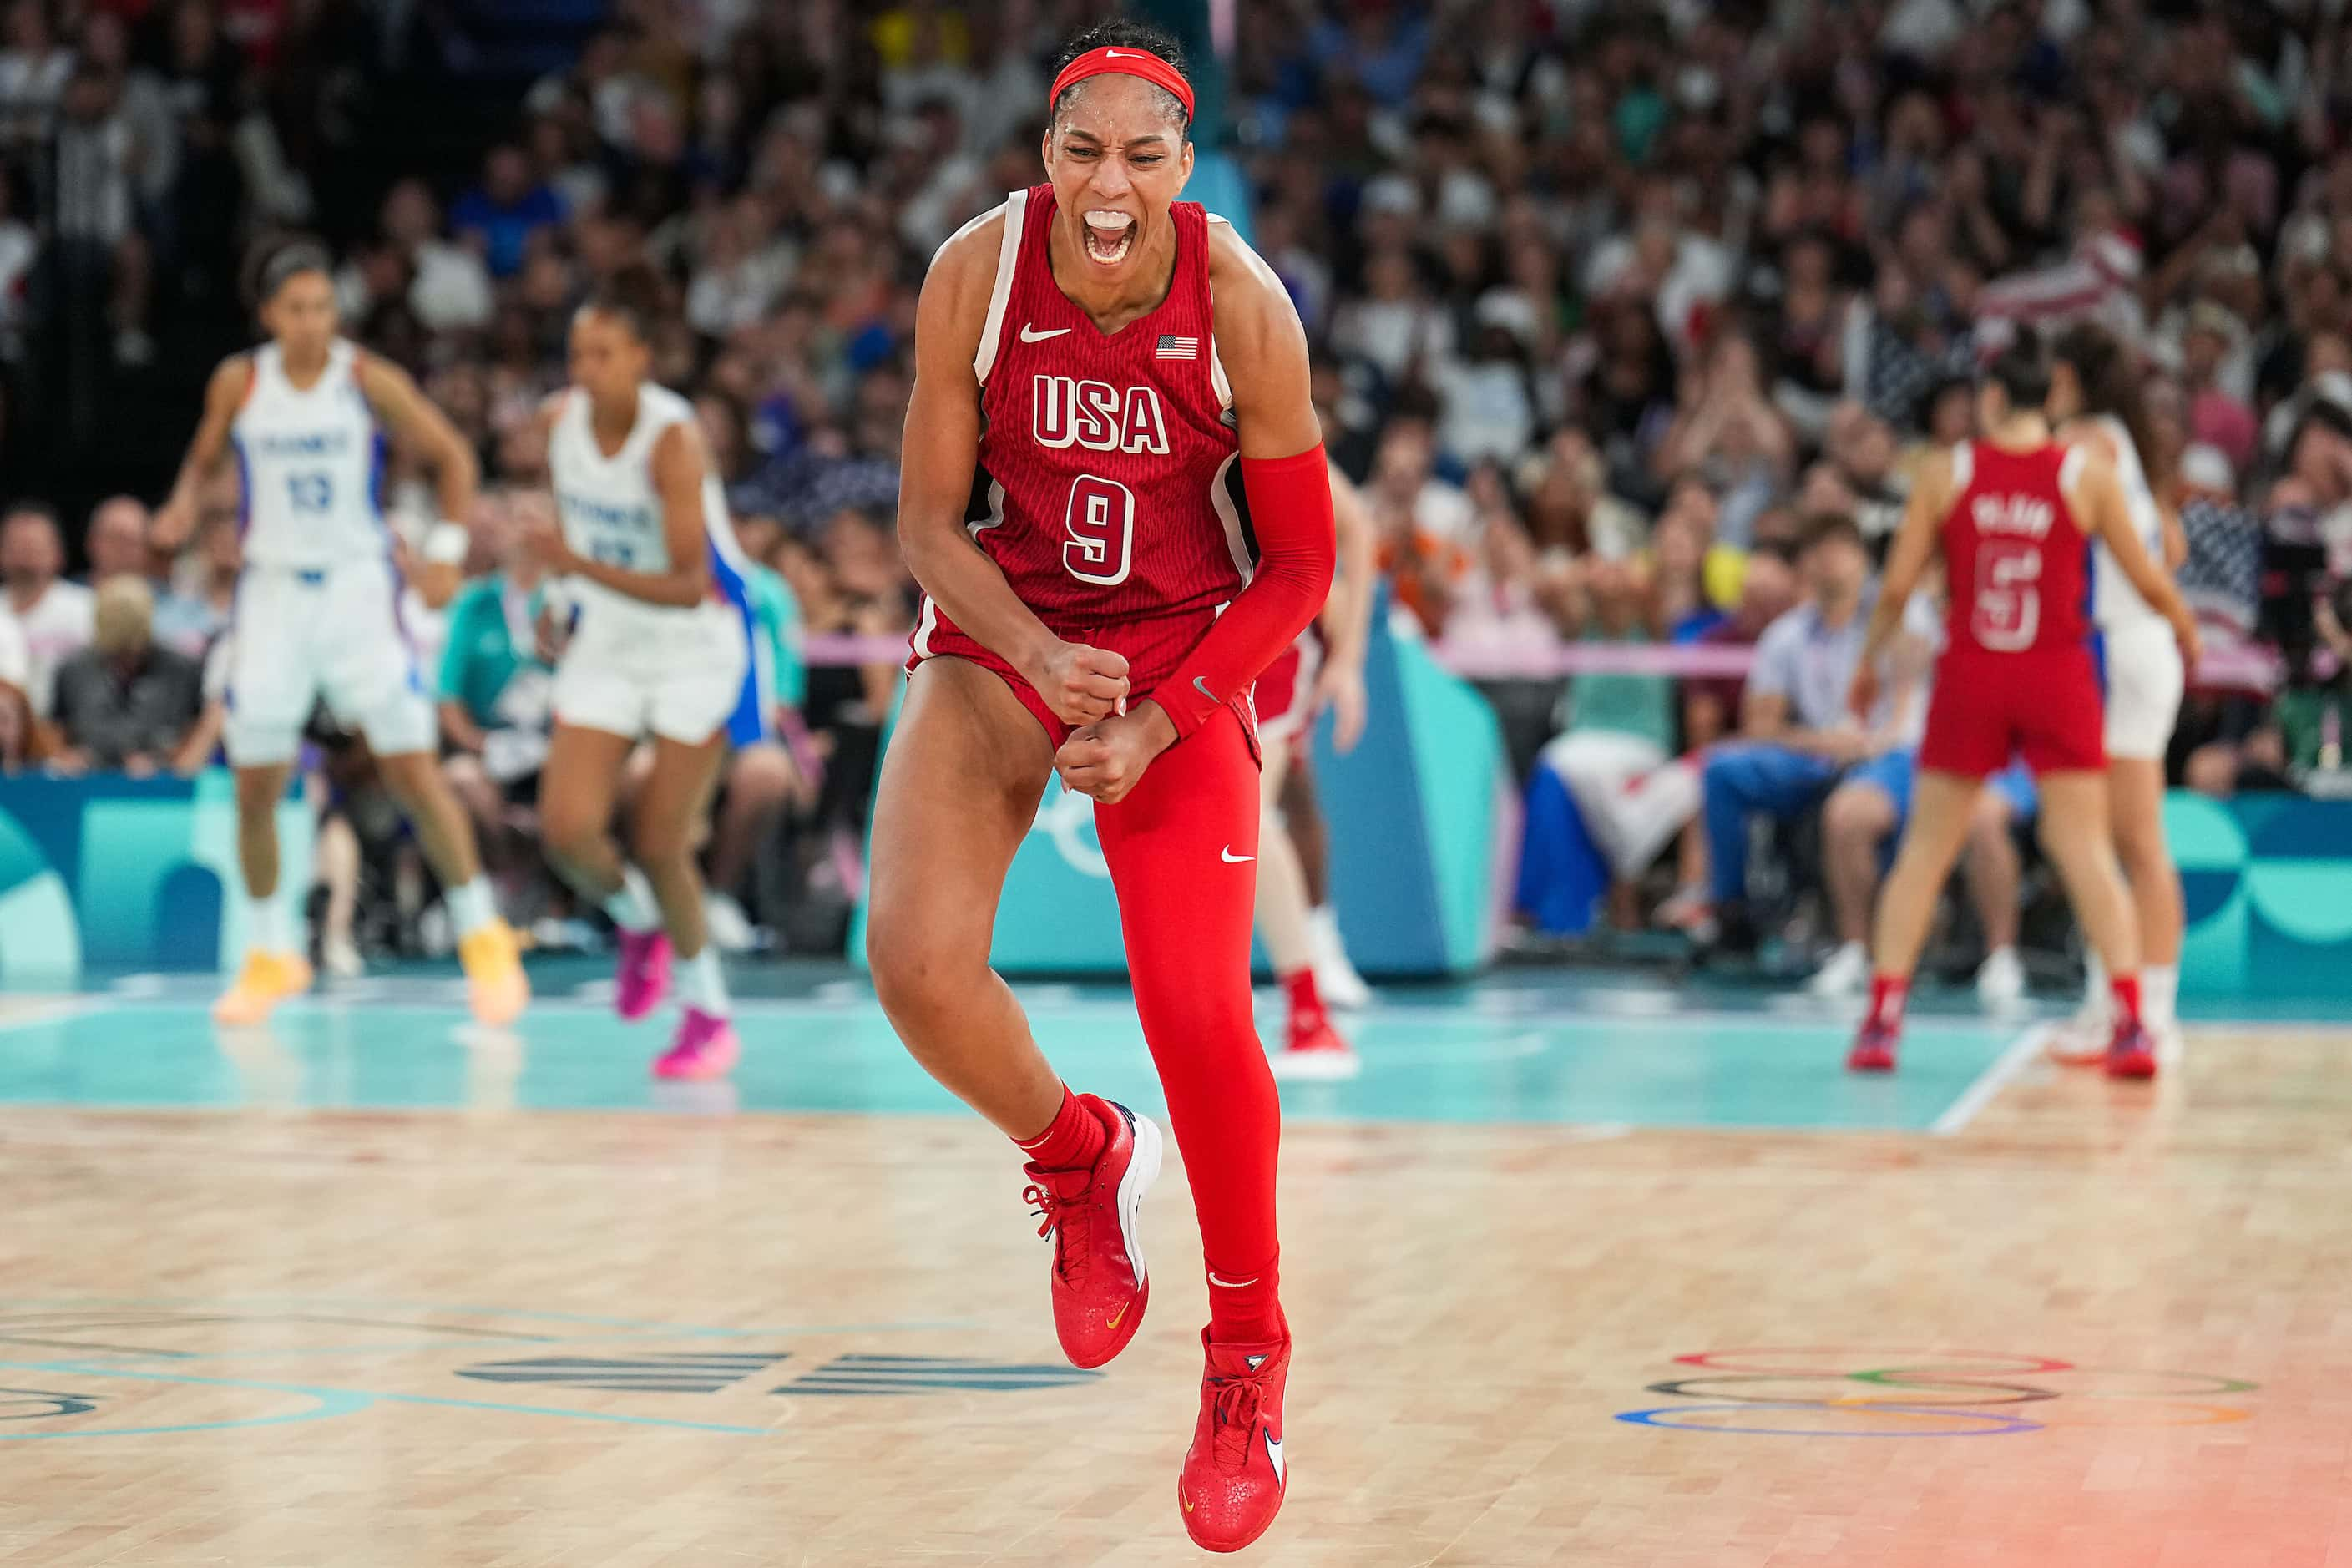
column 1109, row 236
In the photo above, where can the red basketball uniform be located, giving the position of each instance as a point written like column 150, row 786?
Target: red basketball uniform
column 1285, row 696
column 1107, row 490
column 2018, row 676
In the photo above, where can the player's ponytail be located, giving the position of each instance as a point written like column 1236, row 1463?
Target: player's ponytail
column 2022, row 371
column 2109, row 373
column 638, row 295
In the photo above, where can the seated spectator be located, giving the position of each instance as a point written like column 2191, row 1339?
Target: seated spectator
column 1795, row 733
column 123, row 703
column 498, row 216
column 1860, row 824
column 53, row 614
column 497, row 690
column 760, row 779
column 1616, row 756
column 202, row 600
column 1768, row 591
column 116, row 542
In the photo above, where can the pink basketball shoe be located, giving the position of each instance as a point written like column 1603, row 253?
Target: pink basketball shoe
column 641, row 981
column 705, row 1047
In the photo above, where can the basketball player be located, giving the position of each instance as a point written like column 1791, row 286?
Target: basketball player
column 2013, row 513
column 1116, row 499
column 308, row 416
column 2094, row 400
column 1328, row 657
column 657, row 648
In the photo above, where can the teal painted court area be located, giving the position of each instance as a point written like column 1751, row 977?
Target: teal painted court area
column 1555, row 1050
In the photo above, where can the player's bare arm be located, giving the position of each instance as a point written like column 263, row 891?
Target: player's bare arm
column 1347, row 619
column 941, row 447
column 175, row 520
column 679, row 467
column 2097, row 502
column 1264, row 350
column 1907, row 564
column 413, row 420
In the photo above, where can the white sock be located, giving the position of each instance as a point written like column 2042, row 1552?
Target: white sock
column 2160, row 994
column 633, row 909
column 471, row 905
column 265, row 925
column 701, row 984
column 1323, row 927
column 2095, row 990
column 1852, row 950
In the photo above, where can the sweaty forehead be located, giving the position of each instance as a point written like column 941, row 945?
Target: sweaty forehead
column 1117, row 110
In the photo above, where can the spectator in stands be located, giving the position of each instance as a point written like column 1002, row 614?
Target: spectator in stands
column 54, row 616
column 1615, row 755
column 496, row 686
column 498, row 216
column 124, row 703
column 445, row 285
column 1795, row 732
column 116, row 542
column 764, row 778
column 34, row 66
column 201, row 602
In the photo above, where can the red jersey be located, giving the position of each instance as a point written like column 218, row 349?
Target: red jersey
column 2018, row 568
column 1105, row 490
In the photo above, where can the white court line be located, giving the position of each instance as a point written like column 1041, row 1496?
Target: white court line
column 2020, row 1052
column 48, row 1010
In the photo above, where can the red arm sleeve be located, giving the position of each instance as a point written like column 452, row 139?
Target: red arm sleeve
column 1290, row 509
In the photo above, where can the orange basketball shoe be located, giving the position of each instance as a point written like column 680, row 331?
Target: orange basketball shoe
column 1233, row 1478
column 1100, row 1284
column 495, row 983
column 266, row 979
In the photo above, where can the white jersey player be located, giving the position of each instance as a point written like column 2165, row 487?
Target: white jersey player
column 309, row 417
column 657, row 648
column 2094, row 401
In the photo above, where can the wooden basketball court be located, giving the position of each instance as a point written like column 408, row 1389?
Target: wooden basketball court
column 310, row 1311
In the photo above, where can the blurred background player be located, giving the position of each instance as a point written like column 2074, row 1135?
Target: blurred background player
column 1327, row 663
column 2010, row 512
column 308, row 416
column 2095, row 400
column 1095, row 363
column 658, row 646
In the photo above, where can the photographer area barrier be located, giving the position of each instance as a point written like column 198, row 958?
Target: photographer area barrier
column 114, row 874
column 1417, row 813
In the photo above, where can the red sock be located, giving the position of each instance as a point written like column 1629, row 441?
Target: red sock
column 2126, row 990
column 1306, row 1001
column 1246, row 1311
column 1887, row 994
column 1073, row 1142
column 1174, row 847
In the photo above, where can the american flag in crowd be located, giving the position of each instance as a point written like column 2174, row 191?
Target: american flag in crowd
column 1172, row 347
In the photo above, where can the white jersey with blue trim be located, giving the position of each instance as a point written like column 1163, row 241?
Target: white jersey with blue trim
column 611, row 512
column 312, row 459
column 2115, row 602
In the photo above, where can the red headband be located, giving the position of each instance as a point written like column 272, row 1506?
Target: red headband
column 1122, row 62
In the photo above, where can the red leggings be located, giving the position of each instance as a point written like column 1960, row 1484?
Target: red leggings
column 1179, row 848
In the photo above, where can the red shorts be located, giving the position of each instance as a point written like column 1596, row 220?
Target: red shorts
column 1284, row 694
column 1988, row 707
column 1152, row 648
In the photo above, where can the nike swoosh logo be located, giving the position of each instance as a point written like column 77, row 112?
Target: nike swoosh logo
column 1115, row 1317
column 1030, row 335
column 1230, row 859
column 1201, row 685
column 1187, row 1497
column 1112, row 55
column 1274, row 1455
column 1233, row 1283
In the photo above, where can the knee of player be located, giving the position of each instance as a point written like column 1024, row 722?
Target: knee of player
column 913, row 978
column 654, row 843
column 762, row 773
column 568, row 837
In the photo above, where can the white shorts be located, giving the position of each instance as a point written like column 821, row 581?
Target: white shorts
column 2141, row 665
column 682, row 675
column 334, row 632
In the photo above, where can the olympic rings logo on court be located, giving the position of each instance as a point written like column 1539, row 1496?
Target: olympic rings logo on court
column 1865, row 1393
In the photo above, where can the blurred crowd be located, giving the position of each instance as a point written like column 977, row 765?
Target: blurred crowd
column 1627, row 318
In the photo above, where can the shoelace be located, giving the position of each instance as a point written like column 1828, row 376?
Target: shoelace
column 1236, row 1406
column 1054, row 1215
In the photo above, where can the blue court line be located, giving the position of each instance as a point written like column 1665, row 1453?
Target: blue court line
column 332, row 1402
column 643, row 1328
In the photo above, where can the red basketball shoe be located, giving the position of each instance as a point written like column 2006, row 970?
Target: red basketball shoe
column 2131, row 1054
column 1233, row 1477
column 1100, row 1287
column 1873, row 1048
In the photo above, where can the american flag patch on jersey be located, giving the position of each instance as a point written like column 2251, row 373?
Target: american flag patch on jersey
column 1172, row 347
